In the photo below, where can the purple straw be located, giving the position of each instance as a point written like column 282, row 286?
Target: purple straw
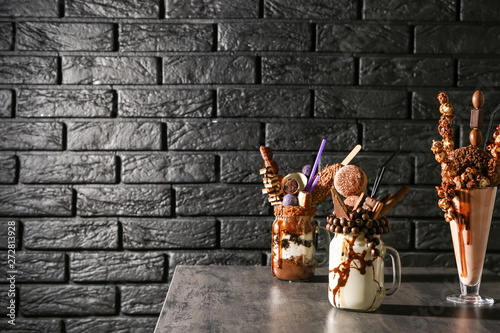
column 315, row 166
column 314, row 183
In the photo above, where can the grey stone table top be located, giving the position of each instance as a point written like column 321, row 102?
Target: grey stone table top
column 249, row 299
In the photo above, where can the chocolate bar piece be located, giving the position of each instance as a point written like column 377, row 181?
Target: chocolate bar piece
column 360, row 201
column 476, row 118
column 305, row 199
column 338, row 205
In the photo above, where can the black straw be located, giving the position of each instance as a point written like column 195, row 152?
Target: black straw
column 381, row 171
column 490, row 126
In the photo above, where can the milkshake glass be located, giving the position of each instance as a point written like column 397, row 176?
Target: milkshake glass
column 470, row 237
column 356, row 278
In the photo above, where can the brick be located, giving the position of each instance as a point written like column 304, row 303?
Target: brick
column 65, row 300
column 492, row 262
column 486, row 10
column 444, row 10
column 219, row 258
column 264, row 36
column 212, row 135
column 208, row 69
column 282, row 103
column 67, row 168
column 71, row 234
column 433, row 235
column 400, row 236
column 425, row 104
column 29, row 8
column 166, row 37
column 241, row 167
column 396, row 71
column 109, row 70
column 8, row 164
column 212, row 9
column 30, row 136
column 460, row 39
column 35, row 201
column 64, row 103
column 6, row 36
column 479, row 73
column 409, row 136
column 169, row 233
column 5, row 103
column 360, row 103
column 297, row 135
column 41, row 36
column 111, row 325
column 38, row 267
column 10, row 228
column 419, row 202
column 399, row 171
column 315, row 9
column 372, row 37
column 245, row 233
column 29, row 70
column 114, row 135
column 112, row 9
column 218, row 200
column 35, row 325
column 496, row 210
column 143, row 300
column 307, row 70
column 427, row 170
column 131, row 200
column 165, row 103
column 178, row 168
column 116, row 266
column 494, row 234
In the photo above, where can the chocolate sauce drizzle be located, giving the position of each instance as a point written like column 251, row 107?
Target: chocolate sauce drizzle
column 344, row 269
column 463, row 222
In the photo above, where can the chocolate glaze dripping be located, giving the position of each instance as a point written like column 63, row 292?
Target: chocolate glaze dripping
column 344, row 269
column 463, row 221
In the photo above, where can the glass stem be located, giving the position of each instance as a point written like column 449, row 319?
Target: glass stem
column 469, row 290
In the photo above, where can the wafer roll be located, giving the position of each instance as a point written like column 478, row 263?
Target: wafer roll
column 394, row 200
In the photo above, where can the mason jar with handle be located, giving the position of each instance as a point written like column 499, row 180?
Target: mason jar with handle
column 294, row 247
column 356, row 278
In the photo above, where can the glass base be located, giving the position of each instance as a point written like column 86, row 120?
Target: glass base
column 470, row 299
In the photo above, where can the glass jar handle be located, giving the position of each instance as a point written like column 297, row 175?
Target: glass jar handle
column 396, row 270
column 325, row 234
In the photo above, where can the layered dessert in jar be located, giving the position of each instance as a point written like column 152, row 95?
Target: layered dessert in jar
column 293, row 246
column 294, row 198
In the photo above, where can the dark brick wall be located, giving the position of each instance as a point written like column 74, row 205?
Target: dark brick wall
column 129, row 134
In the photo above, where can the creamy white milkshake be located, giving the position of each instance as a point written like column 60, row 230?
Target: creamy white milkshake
column 356, row 278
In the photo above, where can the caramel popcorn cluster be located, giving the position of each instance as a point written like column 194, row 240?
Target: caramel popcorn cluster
column 468, row 167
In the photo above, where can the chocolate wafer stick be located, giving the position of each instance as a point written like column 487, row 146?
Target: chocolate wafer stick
column 394, row 200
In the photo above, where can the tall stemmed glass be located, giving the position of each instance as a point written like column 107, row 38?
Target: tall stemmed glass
column 470, row 237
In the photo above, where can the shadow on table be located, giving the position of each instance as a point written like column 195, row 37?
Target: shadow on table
column 440, row 278
column 462, row 311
